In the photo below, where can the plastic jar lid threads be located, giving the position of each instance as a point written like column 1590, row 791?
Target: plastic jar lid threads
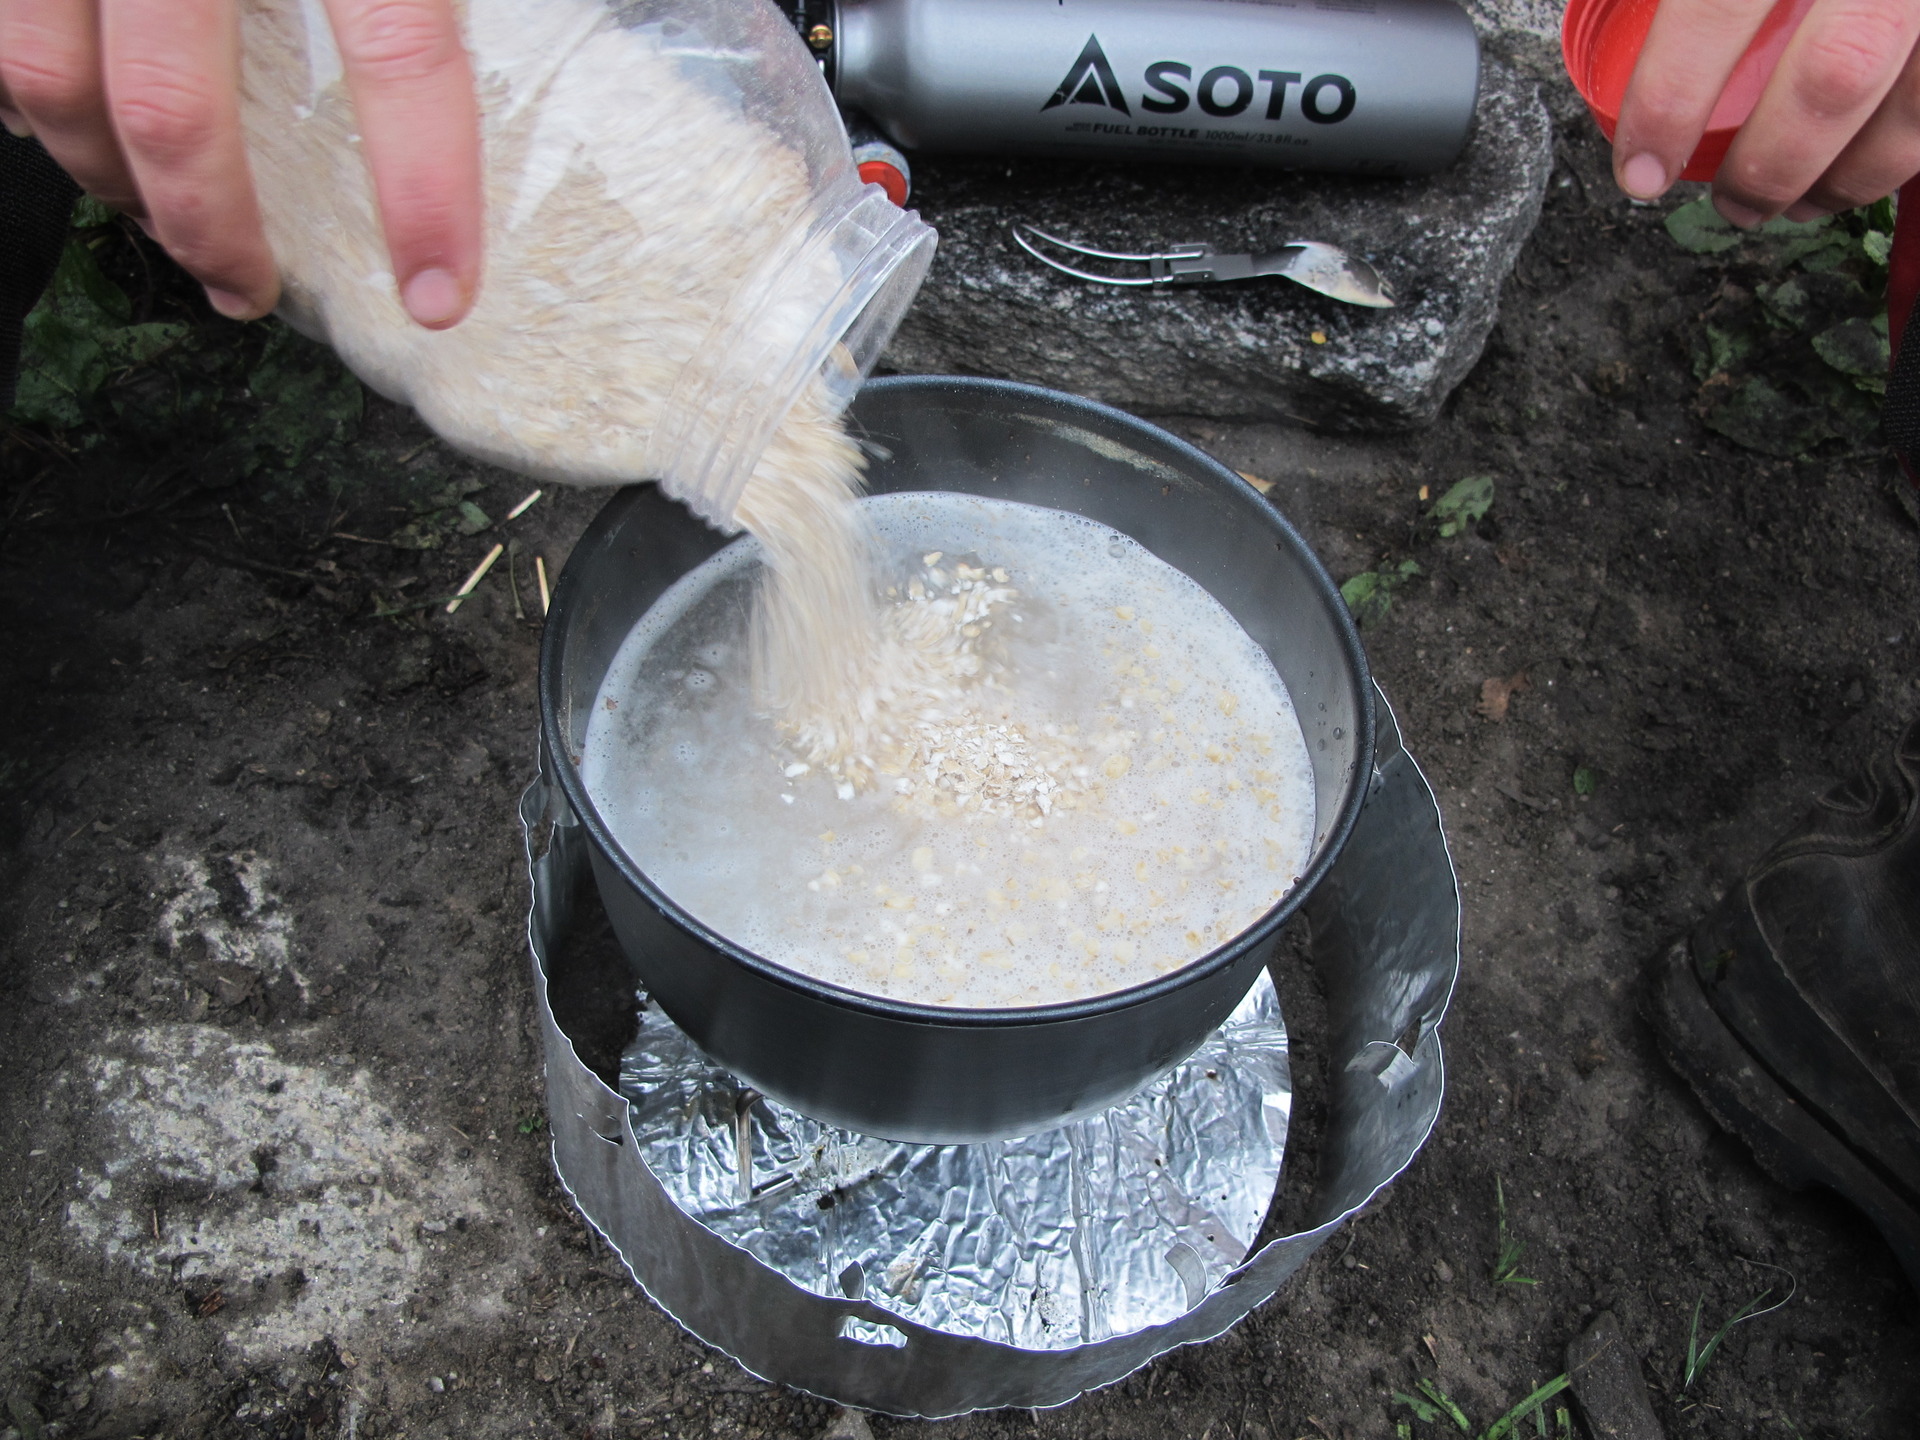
column 1601, row 40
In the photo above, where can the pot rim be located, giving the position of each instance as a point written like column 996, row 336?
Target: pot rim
column 552, row 648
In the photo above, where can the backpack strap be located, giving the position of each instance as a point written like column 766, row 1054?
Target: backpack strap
column 1900, row 417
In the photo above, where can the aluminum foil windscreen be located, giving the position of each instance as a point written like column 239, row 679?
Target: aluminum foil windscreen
column 1096, row 1229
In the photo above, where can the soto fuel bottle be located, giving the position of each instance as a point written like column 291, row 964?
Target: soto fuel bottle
column 1381, row 87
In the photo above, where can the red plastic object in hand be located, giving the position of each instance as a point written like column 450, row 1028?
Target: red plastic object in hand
column 1601, row 39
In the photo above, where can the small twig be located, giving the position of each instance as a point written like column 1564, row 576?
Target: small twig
column 334, row 512
column 227, row 510
column 540, row 569
column 513, row 578
column 165, row 502
column 525, row 505
column 424, row 444
column 479, row 574
column 238, row 562
column 365, row 540
column 382, row 612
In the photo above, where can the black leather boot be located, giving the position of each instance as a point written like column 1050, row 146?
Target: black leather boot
column 1794, row 1009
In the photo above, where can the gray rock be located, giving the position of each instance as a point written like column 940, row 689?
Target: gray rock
column 1503, row 23
column 1246, row 350
column 1608, row 1386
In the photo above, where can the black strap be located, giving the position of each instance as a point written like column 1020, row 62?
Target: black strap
column 36, row 207
column 1900, row 416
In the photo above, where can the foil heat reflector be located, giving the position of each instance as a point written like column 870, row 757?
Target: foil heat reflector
column 933, row 1280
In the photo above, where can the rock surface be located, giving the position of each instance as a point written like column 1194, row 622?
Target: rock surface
column 1608, row 1386
column 1445, row 242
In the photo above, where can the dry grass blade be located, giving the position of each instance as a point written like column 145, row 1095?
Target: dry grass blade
column 479, row 574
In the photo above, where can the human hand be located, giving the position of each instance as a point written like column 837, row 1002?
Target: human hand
column 138, row 100
column 1837, row 125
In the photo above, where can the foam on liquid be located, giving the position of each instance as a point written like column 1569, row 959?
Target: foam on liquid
column 1119, row 787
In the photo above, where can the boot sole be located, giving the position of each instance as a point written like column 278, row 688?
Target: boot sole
column 1790, row 1143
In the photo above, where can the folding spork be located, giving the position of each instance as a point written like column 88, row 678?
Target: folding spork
column 1319, row 267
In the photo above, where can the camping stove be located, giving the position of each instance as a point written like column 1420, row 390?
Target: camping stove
column 932, row 1280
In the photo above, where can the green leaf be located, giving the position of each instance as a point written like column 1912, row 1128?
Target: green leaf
column 1856, row 347
column 423, row 534
column 1880, row 215
column 1786, row 303
column 1825, row 251
column 1796, row 229
column 472, row 518
column 1503, row 1427
column 79, row 288
column 1760, row 417
column 62, row 367
column 1464, row 504
column 309, row 398
column 40, row 400
column 1698, row 1355
column 1585, row 782
column 138, row 344
column 1878, row 246
column 1422, row 1409
column 1697, row 227
column 1431, row 1389
column 1369, row 595
column 1726, row 348
column 77, row 339
column 1362, row 594
column 1506, row 1267
column 89, row 213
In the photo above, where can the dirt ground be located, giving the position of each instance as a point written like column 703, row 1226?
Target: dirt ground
column 269, row 1084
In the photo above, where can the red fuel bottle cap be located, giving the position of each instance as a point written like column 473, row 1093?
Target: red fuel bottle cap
column 887, row 177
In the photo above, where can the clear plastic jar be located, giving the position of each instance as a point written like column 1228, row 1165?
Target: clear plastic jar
column 679, row 248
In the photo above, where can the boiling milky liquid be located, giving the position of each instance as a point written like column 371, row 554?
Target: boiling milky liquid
column 1118, row 785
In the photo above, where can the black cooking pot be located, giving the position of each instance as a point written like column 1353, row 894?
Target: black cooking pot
column 923, row 1072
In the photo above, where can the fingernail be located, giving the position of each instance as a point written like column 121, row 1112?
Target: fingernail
column 1801, row 212
column 231, row 304
column 1736, row 214
column 432, row 297
column 1644, row 177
